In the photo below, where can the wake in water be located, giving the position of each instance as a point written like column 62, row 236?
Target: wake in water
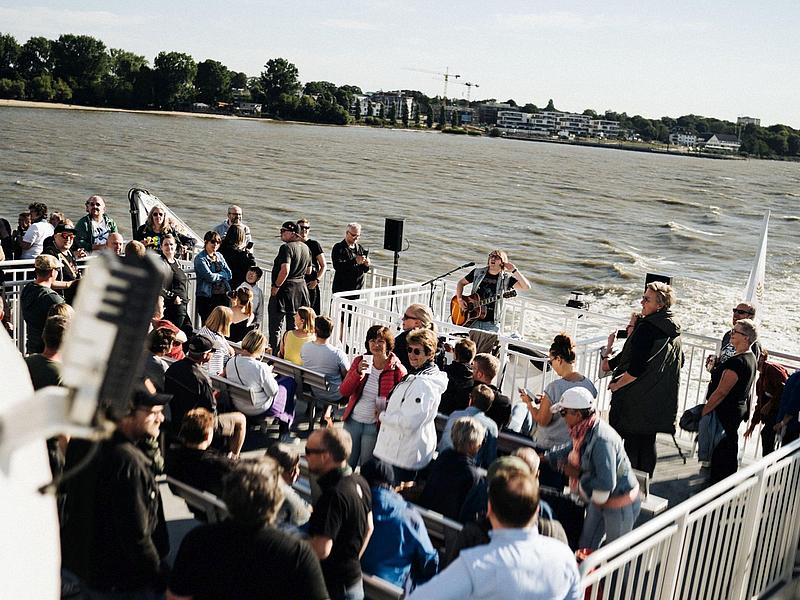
column 689, row 232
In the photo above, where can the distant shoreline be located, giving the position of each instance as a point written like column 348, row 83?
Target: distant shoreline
column 629, row 147
column 30, row 104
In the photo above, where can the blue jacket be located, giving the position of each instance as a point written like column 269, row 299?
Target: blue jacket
column 709, row 435
column 206, row 278
column 399, row 545
column 604, row 464
column 488, row 450
column 790, row 402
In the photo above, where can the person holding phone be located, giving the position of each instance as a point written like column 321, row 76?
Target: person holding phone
column 368, row 383
column 350, row 261
column 552, row 430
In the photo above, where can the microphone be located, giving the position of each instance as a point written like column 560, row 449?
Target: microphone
column 469, row 264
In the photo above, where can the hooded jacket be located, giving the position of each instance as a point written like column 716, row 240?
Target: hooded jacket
column 400, row 545
column 650, row 403
column 407, row 437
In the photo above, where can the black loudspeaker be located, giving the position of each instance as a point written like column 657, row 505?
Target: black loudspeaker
column 654, row 277
column 393, row 235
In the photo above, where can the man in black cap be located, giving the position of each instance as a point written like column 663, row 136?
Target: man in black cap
column 288, row 291
column 112, row 509
column 189, row 384
column 61, row 248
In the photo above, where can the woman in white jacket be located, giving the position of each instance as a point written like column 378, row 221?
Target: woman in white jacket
column 407, row 435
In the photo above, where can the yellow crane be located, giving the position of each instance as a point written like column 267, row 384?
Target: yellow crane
column 446, row 75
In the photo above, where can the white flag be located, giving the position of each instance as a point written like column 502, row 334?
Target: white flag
column 754, row 292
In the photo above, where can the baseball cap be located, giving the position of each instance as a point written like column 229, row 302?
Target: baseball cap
column 576, row 398
column 142, row 397
column 291, row 226
column 62, row 228
column 45, row 262
column 200, row 344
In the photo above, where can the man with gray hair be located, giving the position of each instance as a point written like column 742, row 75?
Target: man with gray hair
column 216, row 561
column 234, row 218
column 92, row 231
column 454, row 473
column 341, row 522
column 350, row 261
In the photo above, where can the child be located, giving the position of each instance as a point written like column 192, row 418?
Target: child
column 251, row 280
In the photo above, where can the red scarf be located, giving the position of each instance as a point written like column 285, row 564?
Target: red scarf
column 578, row 433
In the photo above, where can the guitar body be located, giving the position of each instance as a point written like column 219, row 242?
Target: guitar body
column 476, row 308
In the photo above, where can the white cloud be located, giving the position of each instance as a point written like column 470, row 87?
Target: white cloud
column 549, row 20
column 40, row 20
column 351, row 24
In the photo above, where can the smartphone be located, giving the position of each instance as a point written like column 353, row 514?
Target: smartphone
column 622, row 334
column 528, row 393
column 249, row 245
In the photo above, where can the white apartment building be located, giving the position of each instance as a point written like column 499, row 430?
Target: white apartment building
column 552, row 123
column 604, row 128
column 682, row 138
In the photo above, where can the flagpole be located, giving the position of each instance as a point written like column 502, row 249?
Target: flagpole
column 754, row 291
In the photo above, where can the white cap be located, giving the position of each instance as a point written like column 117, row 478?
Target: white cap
column 576, row 398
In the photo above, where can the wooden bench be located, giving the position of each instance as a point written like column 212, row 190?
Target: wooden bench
column 204, row 502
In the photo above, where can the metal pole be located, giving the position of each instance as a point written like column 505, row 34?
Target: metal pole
column 394, row 274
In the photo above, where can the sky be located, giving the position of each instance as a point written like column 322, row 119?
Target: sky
column 715, row 58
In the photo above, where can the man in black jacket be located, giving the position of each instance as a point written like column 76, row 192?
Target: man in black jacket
column 350, row 261
column 112, row 510
column 459, row 378
column 484, row 370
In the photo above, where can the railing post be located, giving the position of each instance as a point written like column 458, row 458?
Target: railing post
column 675, row 559
column 751, row 520
column 794, row 539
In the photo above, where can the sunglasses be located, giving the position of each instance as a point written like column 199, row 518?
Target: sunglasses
column 315, row 450
column 406, row 317
column 305, row 227
column 738, row 311
column 67, row 236
column 216, row 242
column 416, row 351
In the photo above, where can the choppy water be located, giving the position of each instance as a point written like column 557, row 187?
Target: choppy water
column 569, row 217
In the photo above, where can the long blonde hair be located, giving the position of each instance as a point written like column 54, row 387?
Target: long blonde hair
column 219, row 321
column 307, row 316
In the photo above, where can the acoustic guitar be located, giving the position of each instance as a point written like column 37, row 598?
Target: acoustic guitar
column 476, row 307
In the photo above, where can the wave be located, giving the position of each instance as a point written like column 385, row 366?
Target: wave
column 687, row 231
column 70, row 174
column 623, row 272
column 679, row 202
column 790, row 217
column 32, row 184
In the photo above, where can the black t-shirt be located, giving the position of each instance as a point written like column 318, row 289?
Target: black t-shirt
column 179, row 282
column 298, row 257
column 459, row 386
column 488, row 289
column 190, row 387
column 341, row 515
column 734, row 406
column 228, row 561
column 315, row 249
column 500, row 410
column 43, row 371
column 201, row 469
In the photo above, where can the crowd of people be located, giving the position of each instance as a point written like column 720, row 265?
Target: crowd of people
column 388, row 449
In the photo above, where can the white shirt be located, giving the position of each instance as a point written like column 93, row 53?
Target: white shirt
column 35, row 236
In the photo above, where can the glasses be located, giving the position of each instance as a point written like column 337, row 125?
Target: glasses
column 355, row 235
column 737, row 331
column 233, row 214
column 739, row 311
column 315, row 450
column 647, row 300
column 215, row 242
column 67, row 236
column 495, row 257
column 407, row 317
column 416, row 351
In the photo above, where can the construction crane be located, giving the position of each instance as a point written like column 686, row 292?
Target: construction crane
column 447, row 75
column 469, row 88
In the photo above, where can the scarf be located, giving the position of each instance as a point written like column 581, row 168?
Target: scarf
column 578, row 433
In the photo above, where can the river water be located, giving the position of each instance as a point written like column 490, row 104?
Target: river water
column 570, row 217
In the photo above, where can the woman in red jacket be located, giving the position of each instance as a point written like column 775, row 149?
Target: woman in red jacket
column 367, row 385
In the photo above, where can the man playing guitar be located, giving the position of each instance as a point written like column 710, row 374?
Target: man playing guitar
column 490, row 285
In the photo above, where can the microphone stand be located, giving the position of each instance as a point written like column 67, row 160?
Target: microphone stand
column 430, row 282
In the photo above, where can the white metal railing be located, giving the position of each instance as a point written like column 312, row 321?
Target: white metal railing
column 735, row 540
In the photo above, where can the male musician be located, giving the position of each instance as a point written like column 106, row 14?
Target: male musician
column 490, row 283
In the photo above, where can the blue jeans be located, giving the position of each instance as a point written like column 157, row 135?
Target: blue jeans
column 354, row 592
column 611, row 522
column 364, row 437
column 486, row 326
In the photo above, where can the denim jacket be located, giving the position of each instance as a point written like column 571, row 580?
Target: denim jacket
column 206, row 278
column 604, row 464
column 502, row 279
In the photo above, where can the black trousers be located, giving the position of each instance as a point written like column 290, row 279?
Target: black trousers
column 205, row 304
column 725, row 458
column 641, row 450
